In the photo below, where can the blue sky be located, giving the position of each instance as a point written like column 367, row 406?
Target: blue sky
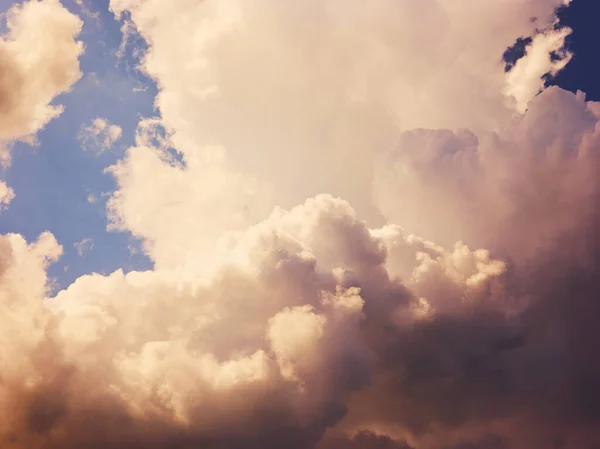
column 584, row 69
column 53, row 180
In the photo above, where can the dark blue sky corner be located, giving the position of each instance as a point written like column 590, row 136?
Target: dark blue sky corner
column 583, row 70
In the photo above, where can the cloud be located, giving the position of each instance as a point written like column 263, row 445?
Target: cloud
column 363, row 440
column 273, row 342
column 233, row 372
column 456, row 343
column 83, row 246
column 501, row 190
column 155, row 190
column 530, row 194
column 39, row 56
column 88, row 11
column 6, row 195
column 467, row 320
column 545, row 55
column 323, row 94
column 305, row 324
column 99, row 136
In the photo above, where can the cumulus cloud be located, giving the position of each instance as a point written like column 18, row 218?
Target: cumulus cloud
column 545, row 55
column 155, row 190
column 99, row 136
column 39, row 57
column 274, row 342
column 514, row 191
column 468, row 320
column 311, row 320
column 530, row 194
column 329, row 84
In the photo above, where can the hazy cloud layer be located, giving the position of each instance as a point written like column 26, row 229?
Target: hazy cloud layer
column 467, row 321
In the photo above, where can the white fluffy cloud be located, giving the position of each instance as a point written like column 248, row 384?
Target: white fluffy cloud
column 39, row 56
column 326, row 85
column 194, row 201
column 525, row 80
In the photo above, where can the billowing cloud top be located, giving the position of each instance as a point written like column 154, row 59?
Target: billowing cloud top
column 449, row 301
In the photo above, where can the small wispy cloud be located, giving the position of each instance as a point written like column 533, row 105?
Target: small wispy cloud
column 99, row 136
column 87, row 11
column 83, row 246
column 6, row 195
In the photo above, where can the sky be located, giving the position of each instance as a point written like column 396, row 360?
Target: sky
column 327, row 224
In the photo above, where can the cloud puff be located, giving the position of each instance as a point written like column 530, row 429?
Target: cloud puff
column 83, row 246
column 99, row 135
column 88, row 11
column 545, row 55
column 39, row 57
column 271, row 344
column 6, row 195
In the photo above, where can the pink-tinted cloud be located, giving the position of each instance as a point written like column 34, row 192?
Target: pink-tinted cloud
column 467, row 321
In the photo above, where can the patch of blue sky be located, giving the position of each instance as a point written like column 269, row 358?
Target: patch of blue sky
column 54, row 181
